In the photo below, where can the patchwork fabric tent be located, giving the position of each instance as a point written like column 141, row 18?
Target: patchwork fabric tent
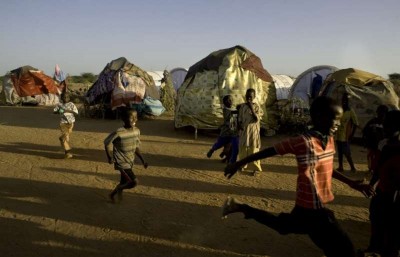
column 283, row 84
column 27, row 84
column 228, row 71
column 308, row 84
column 367, row 91
column 178, row 76
column 121, row 83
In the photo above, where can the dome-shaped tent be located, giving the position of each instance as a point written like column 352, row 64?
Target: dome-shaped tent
column 229, row 71
column 367, row 91
column 302, row 88
column 121, row 83
column 283, row 84
column 178, row 76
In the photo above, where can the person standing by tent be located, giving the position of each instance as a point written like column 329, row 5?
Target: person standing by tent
column 316, row 85
column 228, row 134
column 121, row 146
column 249, row 129
column 373, row 133
column 345, row 133
column 385, row 204
column 67, row 111
column 314, row 151
column 167, row 92
column 60, row 77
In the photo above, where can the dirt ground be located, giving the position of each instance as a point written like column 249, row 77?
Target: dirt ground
column 50, row 206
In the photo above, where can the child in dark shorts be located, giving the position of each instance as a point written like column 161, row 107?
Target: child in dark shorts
column 121, row 147
column 314, row 151
column 385, row 204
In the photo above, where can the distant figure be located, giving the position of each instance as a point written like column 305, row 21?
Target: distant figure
column 229, row 131
column 373, row 133
column 314, row 151
column 316, row 85
column 385, row 205
column 60, row 77
column 67, row 111
column 121, row 147
column 345, row 133
column 167, row 92
column 249, row 118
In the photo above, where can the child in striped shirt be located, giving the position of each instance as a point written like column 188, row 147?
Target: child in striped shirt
column 314, row 152
column 121, row 147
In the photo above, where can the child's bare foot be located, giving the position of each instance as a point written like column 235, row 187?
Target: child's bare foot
column 231, row 205
column 68, row 156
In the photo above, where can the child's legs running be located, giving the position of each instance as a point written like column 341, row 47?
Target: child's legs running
column 66, row 130
column 221, row 141
column 128, row 179
column 235, row 149
column 372, row 158
column 327, row 234
column 347, row 153
column 268, row 219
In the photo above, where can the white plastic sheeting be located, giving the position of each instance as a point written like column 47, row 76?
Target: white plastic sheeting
column 157, row 77
column 178, row 76
column 283, row 84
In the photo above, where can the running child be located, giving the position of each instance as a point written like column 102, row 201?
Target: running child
column 314, row 151
column 121, row 147
column 229, row 133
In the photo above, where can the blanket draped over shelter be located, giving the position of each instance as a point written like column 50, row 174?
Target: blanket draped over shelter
column 225, row 72
column 367, row 91
column 29, row 81
column 121, row 83
column 28, row 84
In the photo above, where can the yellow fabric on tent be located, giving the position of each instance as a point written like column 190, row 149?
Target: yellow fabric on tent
column 367, row 92
column 354, row 77
column 199, row 102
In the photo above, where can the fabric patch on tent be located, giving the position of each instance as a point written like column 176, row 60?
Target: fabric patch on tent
column 153, row 106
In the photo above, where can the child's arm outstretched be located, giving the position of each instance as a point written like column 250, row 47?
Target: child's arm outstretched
column 231, row 169
column 365, row 189
column 138, row 154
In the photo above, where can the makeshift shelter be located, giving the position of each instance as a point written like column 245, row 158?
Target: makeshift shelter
column 228, row 71
column 27, row 84
column 283, row 84
column 122, row 83
column 157, row 77
column 308, row 84
column 178, row 76
column 367, row 92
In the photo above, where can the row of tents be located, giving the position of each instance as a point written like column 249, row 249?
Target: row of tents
column 231, row 71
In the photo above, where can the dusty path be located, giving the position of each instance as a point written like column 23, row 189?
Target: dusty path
column 55, row 207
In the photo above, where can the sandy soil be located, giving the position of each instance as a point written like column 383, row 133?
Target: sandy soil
column 55, row 207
